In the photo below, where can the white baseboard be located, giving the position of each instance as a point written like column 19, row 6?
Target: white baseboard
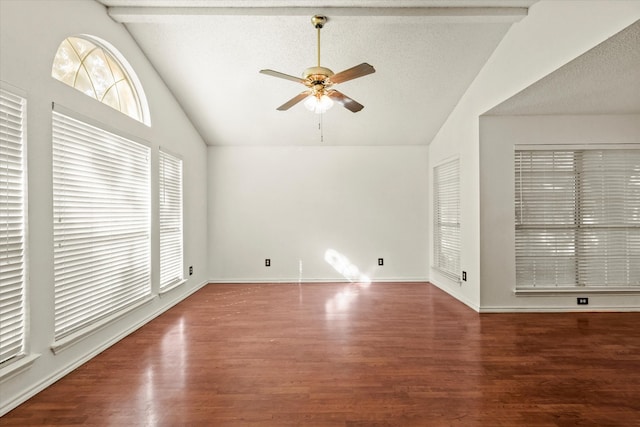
column 463, row 299
column 296, row 280
column 567, row 309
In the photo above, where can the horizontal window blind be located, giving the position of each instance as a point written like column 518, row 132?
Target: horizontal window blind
column 101, row 207
column 171, row 243
column 12, row 226
column 609, row 241
column 577, row 218
column 545, row 188
column 446, row 194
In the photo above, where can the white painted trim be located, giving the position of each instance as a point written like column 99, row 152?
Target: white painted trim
column 560, row 147
column 448, row 275
column 279, row 280
column 550, row 292
column 457, row 296
column 70, row 112
column 175, row 285
column 156, row 14
column 15, row 367
column 565, row 309
column 70, row 340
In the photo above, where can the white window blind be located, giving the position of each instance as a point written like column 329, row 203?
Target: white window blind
column 577, row 218
column 12, row 226
column 446, row 206
column 101, row 207
column 171, row 244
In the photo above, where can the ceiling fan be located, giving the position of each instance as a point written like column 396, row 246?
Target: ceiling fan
column 319, row 95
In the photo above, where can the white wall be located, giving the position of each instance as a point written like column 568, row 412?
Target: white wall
column 292, row 204
column 498, row 135
column 554, row 33
column 30, row 34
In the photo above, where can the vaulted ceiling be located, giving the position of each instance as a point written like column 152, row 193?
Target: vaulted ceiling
column 603, row 80
column 425, row 52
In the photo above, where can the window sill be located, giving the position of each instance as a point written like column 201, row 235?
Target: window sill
column 72, row 339
column 449, row 275
column 21, row 364
column 573, row 291
column 172, row 286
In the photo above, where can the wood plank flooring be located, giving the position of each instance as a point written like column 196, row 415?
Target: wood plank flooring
column 392, row 354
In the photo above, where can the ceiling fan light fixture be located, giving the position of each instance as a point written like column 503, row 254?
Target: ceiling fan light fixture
column 318, row 103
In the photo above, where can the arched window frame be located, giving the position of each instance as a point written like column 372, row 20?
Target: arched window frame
column 126, row 69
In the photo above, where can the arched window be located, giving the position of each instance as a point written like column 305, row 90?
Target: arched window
column 99, row 71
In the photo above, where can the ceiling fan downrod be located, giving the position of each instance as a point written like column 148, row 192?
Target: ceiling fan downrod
column 318, row 22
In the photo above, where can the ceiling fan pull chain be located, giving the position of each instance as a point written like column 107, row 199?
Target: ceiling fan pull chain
column 321, row 127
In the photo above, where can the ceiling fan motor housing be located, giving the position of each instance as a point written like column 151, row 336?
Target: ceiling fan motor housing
column 317, row 74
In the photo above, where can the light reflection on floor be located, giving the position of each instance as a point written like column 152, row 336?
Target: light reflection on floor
column 174, row 351
column 341, row 301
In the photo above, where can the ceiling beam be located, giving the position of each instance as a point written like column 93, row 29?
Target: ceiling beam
column 137, row 14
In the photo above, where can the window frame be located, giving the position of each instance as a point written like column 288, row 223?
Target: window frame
column 115, row 58
column 171, row 229
column 20, row 346
column 446, row 203
column 580, row 243
column 65, row 333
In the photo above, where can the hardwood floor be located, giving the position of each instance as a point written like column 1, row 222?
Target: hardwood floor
column 392, row 354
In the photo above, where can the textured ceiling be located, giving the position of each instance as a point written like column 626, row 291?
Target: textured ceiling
column 426, row 53
column 604, row 80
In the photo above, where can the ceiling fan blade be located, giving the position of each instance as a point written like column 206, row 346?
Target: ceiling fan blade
column 352, row 73
column 293, row 101
column 343, row 99
column 282, row 76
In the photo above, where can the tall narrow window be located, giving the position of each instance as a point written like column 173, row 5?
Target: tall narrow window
column 94, row 70
column 171, row 245
column 101, row 208
column 577, row 218
column 12, row 226
column 446, row 215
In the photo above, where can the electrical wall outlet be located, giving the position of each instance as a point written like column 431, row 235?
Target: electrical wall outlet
column 267, row 262
column 464, row 276
column 583, row 301
column 380, row 261
column 190, row 270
